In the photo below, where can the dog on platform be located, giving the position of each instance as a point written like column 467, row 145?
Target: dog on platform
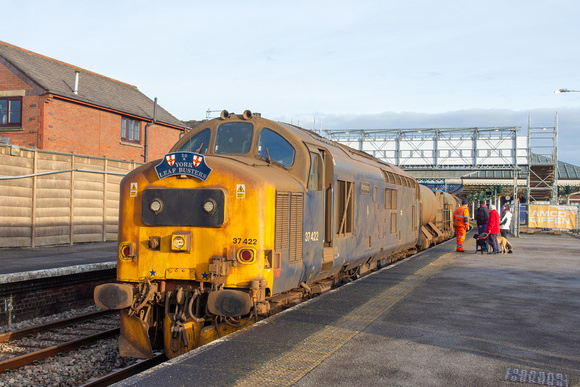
column 481, row 243
column 504, row 245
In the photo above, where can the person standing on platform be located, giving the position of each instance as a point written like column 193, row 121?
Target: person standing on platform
column 506, row 221
column 492, row 229
column 461, row 224
column 481, row 217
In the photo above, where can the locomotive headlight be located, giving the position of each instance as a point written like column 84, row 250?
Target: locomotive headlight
column 156, row 205
column 178, row 242
column 181, row 241
column 209, row 206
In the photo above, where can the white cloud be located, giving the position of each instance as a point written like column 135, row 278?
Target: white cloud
column 429, row 64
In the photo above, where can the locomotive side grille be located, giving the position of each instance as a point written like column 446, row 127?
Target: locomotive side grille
column 289, row 214
column 296, row 227
column 282, row 221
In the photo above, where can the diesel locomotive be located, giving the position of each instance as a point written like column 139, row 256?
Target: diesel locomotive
column 245, row 215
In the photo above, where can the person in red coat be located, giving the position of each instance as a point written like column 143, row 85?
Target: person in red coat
column 492, row 228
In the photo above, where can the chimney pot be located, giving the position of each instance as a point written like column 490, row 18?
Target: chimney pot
column 77, row 75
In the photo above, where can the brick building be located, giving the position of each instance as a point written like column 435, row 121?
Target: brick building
column 50, row 105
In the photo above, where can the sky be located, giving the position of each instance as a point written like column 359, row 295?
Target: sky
column 360, row 64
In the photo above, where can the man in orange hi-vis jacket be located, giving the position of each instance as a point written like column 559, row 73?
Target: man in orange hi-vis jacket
column 461, row 223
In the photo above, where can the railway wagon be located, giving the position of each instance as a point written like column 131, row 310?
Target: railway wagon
column 245, row 215
column 436, row 216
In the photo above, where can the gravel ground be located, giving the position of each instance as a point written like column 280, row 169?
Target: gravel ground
column 72, row 369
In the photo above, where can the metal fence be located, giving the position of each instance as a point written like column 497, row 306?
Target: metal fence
column 50, row 198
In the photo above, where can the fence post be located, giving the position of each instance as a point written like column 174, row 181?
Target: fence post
column 33, row 215
column 106, row 169
column 72, row 197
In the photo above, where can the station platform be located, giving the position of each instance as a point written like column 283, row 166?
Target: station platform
column 438, row 318
column 20, row 264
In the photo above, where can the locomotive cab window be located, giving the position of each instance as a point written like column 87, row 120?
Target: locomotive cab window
column 198, row 143
column 234, row 137
column 276, row 148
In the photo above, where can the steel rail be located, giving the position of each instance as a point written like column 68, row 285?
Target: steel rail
column 42, row 354
column 53, row 325
column 124, row 373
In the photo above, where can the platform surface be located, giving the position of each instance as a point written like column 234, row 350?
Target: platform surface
column 439, row 318
column 28, row 264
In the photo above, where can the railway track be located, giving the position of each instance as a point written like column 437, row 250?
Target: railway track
column 26, row 346
column 124, row 373
column 74, row 335
column 37, row 352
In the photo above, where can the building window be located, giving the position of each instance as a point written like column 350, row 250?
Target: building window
column 130, row 130
column 10, row 111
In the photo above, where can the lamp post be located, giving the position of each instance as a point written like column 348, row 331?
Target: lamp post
column 566, row 91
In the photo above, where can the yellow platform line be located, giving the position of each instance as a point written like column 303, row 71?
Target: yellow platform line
column 291, row 366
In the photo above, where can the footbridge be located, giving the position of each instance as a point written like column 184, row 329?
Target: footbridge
column 477, row 163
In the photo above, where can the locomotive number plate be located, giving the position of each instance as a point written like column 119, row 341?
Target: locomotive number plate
column 245, row 241
column 311, row 236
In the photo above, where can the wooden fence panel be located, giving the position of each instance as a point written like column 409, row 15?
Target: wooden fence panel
column 51, row 224
column 49, row 198
column 15, row 200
